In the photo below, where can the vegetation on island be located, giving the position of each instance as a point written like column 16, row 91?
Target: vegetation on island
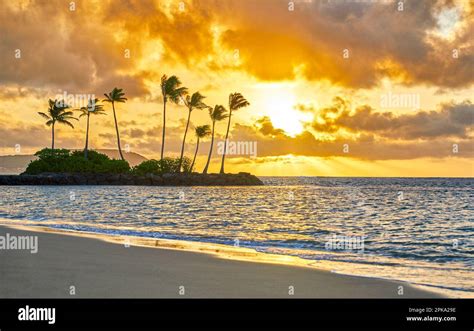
column 159, row 167
column 89, row 161
column 63, row 160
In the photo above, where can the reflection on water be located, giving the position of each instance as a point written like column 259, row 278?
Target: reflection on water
column 419, row 230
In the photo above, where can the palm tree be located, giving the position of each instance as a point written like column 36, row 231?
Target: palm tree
column 201, row 132
column 93, row 108
column 57, row 113
column 236, row 101
column 116, row 95
column 171, row 90
column 194, row 101
column 217, row 114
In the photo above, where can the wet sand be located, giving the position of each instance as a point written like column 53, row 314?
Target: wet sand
column 97, row 266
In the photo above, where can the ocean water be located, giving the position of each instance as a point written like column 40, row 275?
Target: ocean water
column 411, row 229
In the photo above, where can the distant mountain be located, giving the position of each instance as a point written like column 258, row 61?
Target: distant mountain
column 132, row 158
column 15, row 164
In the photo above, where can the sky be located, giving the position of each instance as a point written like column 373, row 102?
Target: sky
column 336, row 88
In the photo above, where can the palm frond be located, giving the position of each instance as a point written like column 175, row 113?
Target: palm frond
column 196, row 101
column 176, row 94
column 171, row 83
column 66, row 113
column 51, row 103
column 108, row 98
column 66, row 122
column 218, row 113
column 98, row 112
column 44, row 115
column 116, row 95
column 170, row 88
column 237, row 101
column 203, row 131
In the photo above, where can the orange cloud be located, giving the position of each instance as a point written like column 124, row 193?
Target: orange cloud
column 452, row 120
column 84, row 49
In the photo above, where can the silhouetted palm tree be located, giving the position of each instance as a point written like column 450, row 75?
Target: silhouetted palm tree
column 171, row 90
column 236, row 101
column 116, row 95
column 217, row 114
column 201, row 132
column 192, row 102
column 57, row 114
column 93, row 108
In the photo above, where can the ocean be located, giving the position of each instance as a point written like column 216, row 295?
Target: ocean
column 418, row 230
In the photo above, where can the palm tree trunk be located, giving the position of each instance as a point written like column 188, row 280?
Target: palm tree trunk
column 184, row 141
column 52, row 137
column 225, row 143
column 210, row 150
column 164, row 129
column 194, row 158
column 117, row 131
column 87, row 137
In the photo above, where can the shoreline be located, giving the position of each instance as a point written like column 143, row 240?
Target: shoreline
column 225, row 263
column 167, row 179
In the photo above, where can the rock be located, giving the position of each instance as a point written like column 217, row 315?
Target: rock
column 156, row 179
column 142, row 181
column 171, row 179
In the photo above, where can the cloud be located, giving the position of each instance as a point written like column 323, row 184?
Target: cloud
column 451, row 120
column 381, row 41
column 375, row 136
column 32, row 137
column 75, row 50
column 441, row 134
column 83, row 50
column 267, row 128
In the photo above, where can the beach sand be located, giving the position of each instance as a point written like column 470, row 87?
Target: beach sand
column 103, row 267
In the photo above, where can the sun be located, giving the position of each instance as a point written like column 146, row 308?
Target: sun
column 280, row 107
column 278, row 102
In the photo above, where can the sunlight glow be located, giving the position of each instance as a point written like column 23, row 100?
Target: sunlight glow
column 280, row 105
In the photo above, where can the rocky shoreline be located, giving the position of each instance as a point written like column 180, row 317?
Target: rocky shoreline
column 172, row 179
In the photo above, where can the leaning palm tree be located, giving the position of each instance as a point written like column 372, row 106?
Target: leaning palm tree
column 57, row 114
column 192, row 102
column 236, row 101
column 116, row 95
column 92, row 108
column 217, row 114
column 201, row 132
column 171, row 90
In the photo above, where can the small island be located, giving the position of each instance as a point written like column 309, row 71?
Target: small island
column 181, row 179
column 63, row 167
column 55, row 166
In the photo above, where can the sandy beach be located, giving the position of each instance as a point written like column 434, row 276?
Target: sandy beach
column 104, row 267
